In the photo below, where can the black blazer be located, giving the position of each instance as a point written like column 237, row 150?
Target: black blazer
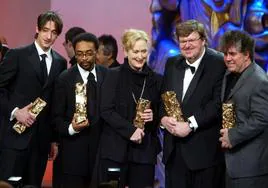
column 201, row 148
column 20, row 75
column 118, row 111
column 78, row 151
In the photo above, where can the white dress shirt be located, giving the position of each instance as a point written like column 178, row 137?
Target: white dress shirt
column 188, row 76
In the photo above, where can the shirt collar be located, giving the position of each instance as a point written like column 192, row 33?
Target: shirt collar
column 85, row 73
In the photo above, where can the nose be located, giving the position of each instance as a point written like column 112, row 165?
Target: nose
column 227, row 57
column 139, row 55
column 49, row 35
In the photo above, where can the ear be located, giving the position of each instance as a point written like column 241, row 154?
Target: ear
column 125, row 52
column 36, row 29
column 246, row 54
column 69, row 43
column 110, row 56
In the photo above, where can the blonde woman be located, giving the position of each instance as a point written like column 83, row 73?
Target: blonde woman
column 124, row 146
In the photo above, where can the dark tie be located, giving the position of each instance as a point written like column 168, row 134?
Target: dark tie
column 43, row 65
column 91, row 93
column 186, row 66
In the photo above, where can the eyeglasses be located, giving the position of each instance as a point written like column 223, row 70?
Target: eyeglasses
column 190, row 41
column 85, row 54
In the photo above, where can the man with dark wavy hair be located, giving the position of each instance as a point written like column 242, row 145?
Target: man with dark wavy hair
column 245, row 85
column 26, row 74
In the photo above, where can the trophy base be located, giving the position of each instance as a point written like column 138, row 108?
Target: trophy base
column 19, row 128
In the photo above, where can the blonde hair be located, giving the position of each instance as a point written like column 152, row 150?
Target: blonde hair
column 131, row 36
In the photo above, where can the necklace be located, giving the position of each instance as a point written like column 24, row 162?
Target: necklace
column 142, row 91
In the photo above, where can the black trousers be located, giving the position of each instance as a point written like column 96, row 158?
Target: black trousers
column 133, row 175
column 247, row 182
column 178, row 175
column 29, row 164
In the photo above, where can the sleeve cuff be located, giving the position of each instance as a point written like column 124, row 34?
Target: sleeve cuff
column 71, row 130
column 12, row 115
column 192, row 123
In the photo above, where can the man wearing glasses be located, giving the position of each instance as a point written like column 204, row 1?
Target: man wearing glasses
column 79, row 140
column 191, row 152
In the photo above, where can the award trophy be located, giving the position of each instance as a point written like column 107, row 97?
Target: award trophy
column 37, row 107
column 80, row 103
column 142, row 105
column 172, row 105
column 228, row 115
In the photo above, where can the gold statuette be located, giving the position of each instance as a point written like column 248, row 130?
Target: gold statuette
column 228, row 115
column 37, row 106
column 172, row 105
column 142, row 105
column 80, row 102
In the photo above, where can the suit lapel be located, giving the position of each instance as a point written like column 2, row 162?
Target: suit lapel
column 100, row 75
column 35, row 61
column 53, row 69
column 224, row 85
column 195, row 80
column 242, row 80
column 177, row 80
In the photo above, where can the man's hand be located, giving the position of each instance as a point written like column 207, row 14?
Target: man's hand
column 147, row 115
column 53, row 151
column 182, row 129
column 169, row 123
column 79, row 126
column 24, row 116
column 137, row 136
column 224, row 139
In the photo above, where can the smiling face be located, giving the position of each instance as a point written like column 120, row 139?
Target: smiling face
column 236, row 61
column 137, row 55
column 192, row 46
column 47, row 35
column 85, row 53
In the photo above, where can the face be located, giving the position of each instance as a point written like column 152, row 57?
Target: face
column 85, row 54
column 192, row 46
column 47, row 35
column 68, row 48
column 101, row 58
column 236, row 61
column 137, row 56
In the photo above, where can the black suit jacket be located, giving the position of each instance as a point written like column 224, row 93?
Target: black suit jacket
column 20, row 75
column 118, row 111
column 78, row 151
column 201, row 148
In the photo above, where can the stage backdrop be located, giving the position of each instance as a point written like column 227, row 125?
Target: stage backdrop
column 18, row 18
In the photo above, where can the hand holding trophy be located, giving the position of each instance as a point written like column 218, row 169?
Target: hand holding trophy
column 228, row 115
column 80, row 120
column 142, row 105
column 172, row 105
column 37, row 106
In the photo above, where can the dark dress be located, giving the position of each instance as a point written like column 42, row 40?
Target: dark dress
column 118, row 109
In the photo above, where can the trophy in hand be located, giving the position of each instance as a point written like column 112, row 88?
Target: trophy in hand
column 142, row 105
column 80, row 103
column 172, row 105
column 37, row 106
column 228, row 115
